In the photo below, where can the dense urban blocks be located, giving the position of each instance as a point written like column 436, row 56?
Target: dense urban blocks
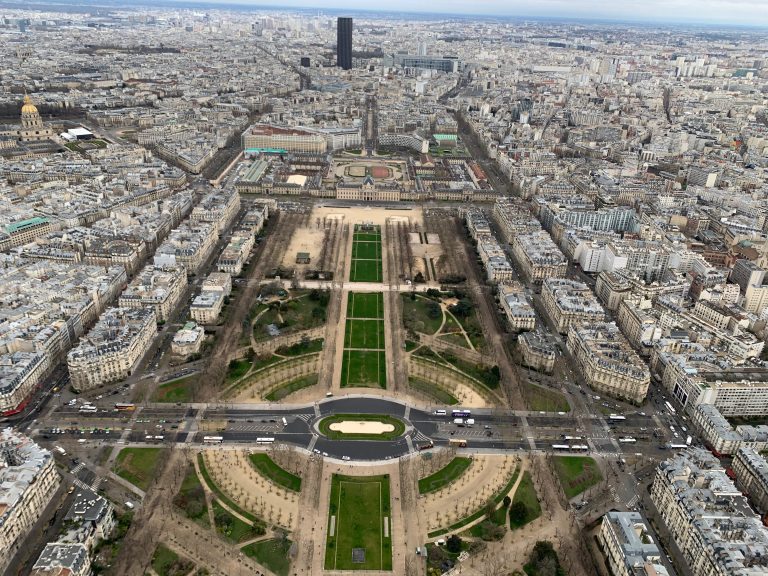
column 366, row 254
column 359, row 520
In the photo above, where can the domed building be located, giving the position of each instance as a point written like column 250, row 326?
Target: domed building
column 32, row 128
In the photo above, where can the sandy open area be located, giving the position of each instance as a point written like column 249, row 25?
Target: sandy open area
column 359, row 214
column 304, row 240
column 235, row 475
column 361, row 427
column 461, row 498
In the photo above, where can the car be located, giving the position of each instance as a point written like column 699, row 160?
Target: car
column 325, row 454
column 345, row 458
column 316, row 451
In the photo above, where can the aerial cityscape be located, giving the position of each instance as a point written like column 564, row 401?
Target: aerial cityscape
column 312, row 289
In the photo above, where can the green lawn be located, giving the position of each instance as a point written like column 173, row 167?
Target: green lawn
column 191, row 497
column 488, row 376
column 237, row 369
column 268, row 468
column 290, row 387
column 416, row 317
column 325, row 424
column 364, row 250
column 289, row 316
column 526, row 493
column 576, row 473
column 365, row 271
column 539, row 398
column 365, row 305
column 167, row 563
column 358, row 509
column 177, row 391
column 368, row 334
column 364, row 368
column 138, row 465
column 231, row 527
column 433, row 391
column 444, row 476
column 301, row 348
column 272, row 554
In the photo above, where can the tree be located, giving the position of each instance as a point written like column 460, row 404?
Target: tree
column 518, row 513
column 453, row 544
column 507, row 501
column 433, row 293
column 433, row 310
column 462, row 308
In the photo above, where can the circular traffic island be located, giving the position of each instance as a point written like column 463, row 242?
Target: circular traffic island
column 361, row 427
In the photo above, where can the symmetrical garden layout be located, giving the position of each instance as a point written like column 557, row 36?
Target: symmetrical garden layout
column 366, row 254
column 359, row 522
column 364, row 361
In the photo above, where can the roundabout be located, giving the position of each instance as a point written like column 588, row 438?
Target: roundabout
column 377, row 427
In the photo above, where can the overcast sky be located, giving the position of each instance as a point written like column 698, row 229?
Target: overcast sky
column 751, row 12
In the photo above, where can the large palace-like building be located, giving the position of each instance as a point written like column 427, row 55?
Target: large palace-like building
column 31, row 129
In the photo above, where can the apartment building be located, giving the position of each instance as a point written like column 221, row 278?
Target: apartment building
column 206, row 306
column 751, row 472
column 189, row 245
column 28, row 482
column 715, row 430
column 569, row 302
column 514, row 218
column 629, row 547
column 497, row 267
column 232, row 258
column 709, row 519
column 219, row 208
column 538, row 257
column 218, row 281
column 62, row 559
column 640, row 323
column 265, row 136
column 518, row 310
column 160, row 288
column 20, row 373
column 188, row 340
column 538, row 353
column 112, row 347
column 607, row 362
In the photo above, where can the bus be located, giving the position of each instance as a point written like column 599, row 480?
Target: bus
column 677, row 446
column 579, row 448
column 627, row 440
column 458, row 442
column 88, row 408
column 461, row 413
column 571, row 437
column 560, row 447
column 670, row 408
column 213, row 439
column 616, row 417
column 123, row 407
column 264, row 440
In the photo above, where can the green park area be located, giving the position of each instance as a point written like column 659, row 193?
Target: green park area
column 576, row 473
column 358, row 534
column 366, row 265
column 364, row 360
column 539, row 398
column 272, row 554
column 525, row 506
column 449, row 473
column 276, row 474
column 165, row 562
column 180, row 390
column 138, row 465
column 191, row 498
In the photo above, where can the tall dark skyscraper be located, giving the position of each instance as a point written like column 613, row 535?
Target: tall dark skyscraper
column 344, row 43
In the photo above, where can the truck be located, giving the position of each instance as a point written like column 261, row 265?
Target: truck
column 458, row 421
column 469, row 422
column 458, row 442
column 688, row 441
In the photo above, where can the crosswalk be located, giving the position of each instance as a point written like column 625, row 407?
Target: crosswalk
column 94, row 486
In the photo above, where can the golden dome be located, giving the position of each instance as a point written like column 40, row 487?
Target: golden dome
column 28, row 107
